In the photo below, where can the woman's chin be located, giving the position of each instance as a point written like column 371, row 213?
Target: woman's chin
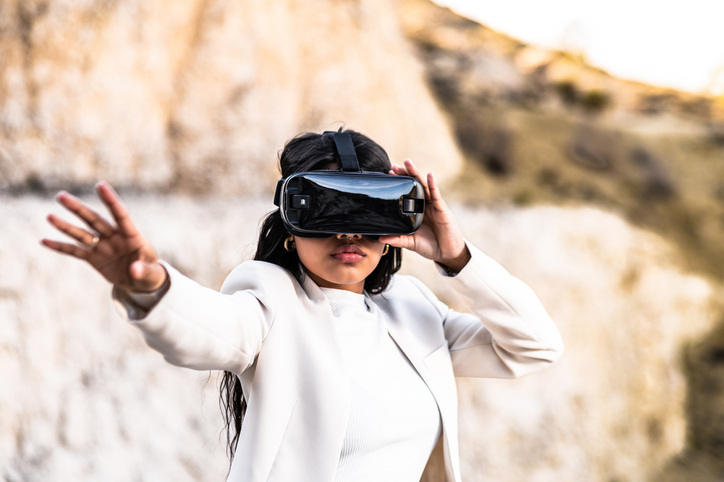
column 347, row 279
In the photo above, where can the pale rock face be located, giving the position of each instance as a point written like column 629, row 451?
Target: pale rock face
column 614, row 408
column 85, row 400
column 199, row 96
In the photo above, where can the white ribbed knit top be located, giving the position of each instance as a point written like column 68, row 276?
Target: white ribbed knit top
column 394, row 421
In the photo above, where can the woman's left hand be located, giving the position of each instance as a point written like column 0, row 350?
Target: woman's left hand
column 439, row 238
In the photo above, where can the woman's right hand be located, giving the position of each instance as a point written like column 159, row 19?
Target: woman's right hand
column 121, row 254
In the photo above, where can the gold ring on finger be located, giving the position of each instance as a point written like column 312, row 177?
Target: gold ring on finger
column 94, row 243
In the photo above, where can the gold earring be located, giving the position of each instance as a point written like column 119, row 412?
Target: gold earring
column 387, row 249
column 289, row 244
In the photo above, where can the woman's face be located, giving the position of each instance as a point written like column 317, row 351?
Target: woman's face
column 342, row 261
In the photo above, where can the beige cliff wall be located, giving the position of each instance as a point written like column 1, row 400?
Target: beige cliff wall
column 199, row 96
column 86, row 400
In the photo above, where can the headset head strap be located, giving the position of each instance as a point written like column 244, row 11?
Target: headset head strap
column 345, row 149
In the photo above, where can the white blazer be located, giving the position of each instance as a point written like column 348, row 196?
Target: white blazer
column 278, row 337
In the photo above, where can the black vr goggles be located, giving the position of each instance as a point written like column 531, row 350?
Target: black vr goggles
column 319, row 204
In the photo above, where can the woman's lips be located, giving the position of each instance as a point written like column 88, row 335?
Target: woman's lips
column 348, row 253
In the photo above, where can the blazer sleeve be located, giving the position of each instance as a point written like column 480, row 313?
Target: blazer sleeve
column 508, row 332
column 200, row 328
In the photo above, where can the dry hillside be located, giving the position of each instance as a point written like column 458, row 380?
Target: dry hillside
column 544, row 127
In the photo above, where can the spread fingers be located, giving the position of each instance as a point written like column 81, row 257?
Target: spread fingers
column 111, row 199
column 80, row 235
column 66, row 248
column 90, row 217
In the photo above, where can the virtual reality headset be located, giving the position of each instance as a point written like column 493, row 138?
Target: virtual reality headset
column 319, row 204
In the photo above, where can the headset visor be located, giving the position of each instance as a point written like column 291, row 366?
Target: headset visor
column 323, row 203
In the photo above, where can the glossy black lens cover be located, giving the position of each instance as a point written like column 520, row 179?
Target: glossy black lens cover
column 323, row 203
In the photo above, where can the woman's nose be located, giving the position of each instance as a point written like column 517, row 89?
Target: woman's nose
column 349, row 236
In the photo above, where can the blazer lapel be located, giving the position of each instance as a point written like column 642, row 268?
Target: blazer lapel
column 442, row 386
column 411, row 348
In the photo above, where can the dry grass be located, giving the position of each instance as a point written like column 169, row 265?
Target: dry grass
column 673, row 185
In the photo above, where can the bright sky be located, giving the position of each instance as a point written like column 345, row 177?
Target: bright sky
column 661, row 42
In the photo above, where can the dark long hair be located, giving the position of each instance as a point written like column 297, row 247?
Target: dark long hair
column 306, row 152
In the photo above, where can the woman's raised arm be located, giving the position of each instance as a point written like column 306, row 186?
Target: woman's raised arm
column 118, row 252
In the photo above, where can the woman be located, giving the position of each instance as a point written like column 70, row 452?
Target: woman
column 340, row 369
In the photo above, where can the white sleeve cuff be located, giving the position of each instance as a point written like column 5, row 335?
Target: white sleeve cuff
column 146, row 300
column 445, row 271
column 137, row 305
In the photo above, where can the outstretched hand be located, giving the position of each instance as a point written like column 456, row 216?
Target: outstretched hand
column 118, row 252
column 439, row 238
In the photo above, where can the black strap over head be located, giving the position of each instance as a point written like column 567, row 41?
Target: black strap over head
column 345, row 149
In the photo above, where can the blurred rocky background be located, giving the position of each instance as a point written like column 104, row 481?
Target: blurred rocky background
column 606, row 196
